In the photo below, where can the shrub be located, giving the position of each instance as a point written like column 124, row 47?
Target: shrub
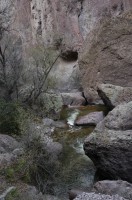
column 12, row 118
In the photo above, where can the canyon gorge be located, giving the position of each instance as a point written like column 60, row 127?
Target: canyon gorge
column 71, row 85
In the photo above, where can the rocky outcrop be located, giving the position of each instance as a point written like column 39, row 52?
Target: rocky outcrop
column 106, row 56
column 122, row 188
column 114, row 95
column 110, row 144
column 63, row 23
column 91, row 119
column 89, row 196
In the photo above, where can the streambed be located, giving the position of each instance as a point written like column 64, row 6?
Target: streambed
column 77, row 169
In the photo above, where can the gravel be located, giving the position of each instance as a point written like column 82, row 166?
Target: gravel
column 93, row 196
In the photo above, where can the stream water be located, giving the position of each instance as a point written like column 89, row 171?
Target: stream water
column 77, row 170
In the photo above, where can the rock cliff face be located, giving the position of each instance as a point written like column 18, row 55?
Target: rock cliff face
column 106, row 57
column 70, row 24
column 63, row 23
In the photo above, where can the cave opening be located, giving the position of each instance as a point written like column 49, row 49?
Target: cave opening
column 70, row 55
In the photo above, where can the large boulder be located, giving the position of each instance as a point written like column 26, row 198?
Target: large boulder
column 89, row 196
column 106, row 56
column 73, row 99
column 90, row 119
column 114, row 95
column 110, row 144
column 122, row 188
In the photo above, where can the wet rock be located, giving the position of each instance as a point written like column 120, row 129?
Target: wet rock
column 90, row 196
column 122, row 188
column 91, row 119
column 114, row 95
column 60, row 124
column 73, row 99
column 110, row 144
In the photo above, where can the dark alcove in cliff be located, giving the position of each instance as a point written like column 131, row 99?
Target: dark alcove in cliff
column 70, row 55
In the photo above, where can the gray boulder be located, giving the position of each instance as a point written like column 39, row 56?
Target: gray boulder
column 122, row 188
column 110, row 144
column 93, row 196
column 7, row 143
column 74, row 99
column 7, row 150
column 114, row 95
column 90, row 119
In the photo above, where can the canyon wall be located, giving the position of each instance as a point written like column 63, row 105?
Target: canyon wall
column 63, row 23
column 69, row 25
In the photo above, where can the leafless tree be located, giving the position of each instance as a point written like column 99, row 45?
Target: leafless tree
column 43, row 60
column 12, row 67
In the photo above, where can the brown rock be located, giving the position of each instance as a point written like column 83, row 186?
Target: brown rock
column 91, row 119
column 106, row 56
